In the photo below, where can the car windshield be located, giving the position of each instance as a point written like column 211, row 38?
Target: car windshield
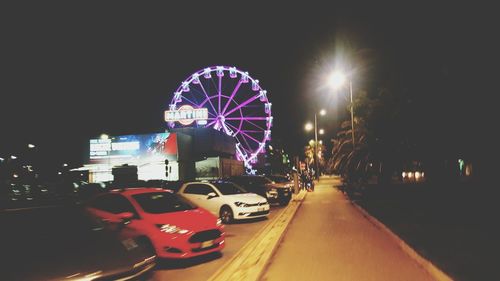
column 162, row 202
column 228, row 188
column 261, row 180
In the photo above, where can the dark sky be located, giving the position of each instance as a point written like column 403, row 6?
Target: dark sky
column 70, row 72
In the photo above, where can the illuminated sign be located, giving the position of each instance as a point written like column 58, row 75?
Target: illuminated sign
column 186, row 115
column 139, row 147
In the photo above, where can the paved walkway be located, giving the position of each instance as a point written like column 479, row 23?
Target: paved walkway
column 329, row 239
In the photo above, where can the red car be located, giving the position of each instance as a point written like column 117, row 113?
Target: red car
column 175, row 227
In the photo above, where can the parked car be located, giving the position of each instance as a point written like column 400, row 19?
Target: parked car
column 225, row 199
column 274, row 192
column 175, row 227
column 68, row 243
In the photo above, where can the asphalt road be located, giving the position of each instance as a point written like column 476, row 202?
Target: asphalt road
column 200, row 269
column 329, row 239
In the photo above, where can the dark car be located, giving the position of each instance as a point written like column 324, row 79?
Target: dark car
column 272, row 191
column 67, row 243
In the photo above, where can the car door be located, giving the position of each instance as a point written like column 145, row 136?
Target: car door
column 198, row 194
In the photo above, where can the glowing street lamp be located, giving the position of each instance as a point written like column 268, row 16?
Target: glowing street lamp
column 309, row 127
column 30, row 145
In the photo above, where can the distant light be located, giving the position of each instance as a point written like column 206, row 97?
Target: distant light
column 308, row 126
column 311, row 142
column 417, row 175
column 322, row 112
column 31, row 145
column 104, row 137
column 337, row 79
column 1, row 159
column 13, row 157
column 65, row 165
column 410, row 175
column 270, row 147
column 15, row 175
column 320, row 142
column 403, row 174
column 321, row 131
column 59, row 173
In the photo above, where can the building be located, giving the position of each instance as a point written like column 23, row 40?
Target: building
column 192, row 153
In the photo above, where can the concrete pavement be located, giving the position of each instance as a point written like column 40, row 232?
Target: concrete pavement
column 330, row 239
column 250, row 261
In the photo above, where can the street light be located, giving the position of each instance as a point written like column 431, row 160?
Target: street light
column 337, row 79
column 309, row 127
column 31, row 145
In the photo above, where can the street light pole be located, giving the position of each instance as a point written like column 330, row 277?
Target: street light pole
column 352, row 114
column 316, row 145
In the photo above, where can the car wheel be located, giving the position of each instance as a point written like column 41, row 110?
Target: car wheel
column 226, row 215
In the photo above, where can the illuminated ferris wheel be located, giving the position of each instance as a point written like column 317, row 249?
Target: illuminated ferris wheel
column 236, row 105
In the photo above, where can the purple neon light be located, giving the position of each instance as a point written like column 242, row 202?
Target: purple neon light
column 237, row 115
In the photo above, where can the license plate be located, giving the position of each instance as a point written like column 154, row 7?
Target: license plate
column 206, row 244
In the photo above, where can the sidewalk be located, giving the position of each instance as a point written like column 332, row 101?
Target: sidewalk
column 250, row 261
column 330, row 239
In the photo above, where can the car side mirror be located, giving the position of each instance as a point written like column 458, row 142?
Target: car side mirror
column 125, row 217
column 211, row 195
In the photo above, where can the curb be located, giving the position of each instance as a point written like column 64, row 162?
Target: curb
column 251, row 260
column 428, row 266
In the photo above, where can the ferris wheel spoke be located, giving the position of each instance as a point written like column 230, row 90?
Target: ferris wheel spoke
column 220, row 92
column 255, row 125
column 250, row 137
column 251, row 131
column 242, row 104
column 248, row 148
column 232, row 96
column 190, row 101
column 211, row 123
column 246, row 118
column 206, row 95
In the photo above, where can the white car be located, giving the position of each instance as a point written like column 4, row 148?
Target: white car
column 225, row 199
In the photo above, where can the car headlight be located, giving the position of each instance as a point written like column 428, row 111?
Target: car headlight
column 170, row 228
column 240, row 204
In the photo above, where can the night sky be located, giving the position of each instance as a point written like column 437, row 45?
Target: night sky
column 70, row 72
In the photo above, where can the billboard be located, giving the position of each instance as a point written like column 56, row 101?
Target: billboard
column 186, row 115
column 133, row 148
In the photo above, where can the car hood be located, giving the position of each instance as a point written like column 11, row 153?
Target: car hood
column 280, row 185
column 70, row 258
column 249, row 198
column 195, row 220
